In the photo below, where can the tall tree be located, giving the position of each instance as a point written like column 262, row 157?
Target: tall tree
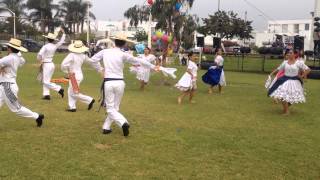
column 74, row 13
column 164, row 12
column 18, row 7
column 45, row 12
column 226, row 25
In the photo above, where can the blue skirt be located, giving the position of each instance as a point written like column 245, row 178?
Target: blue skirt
column 212, row 76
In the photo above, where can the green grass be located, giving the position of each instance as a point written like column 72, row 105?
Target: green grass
column 237, row 135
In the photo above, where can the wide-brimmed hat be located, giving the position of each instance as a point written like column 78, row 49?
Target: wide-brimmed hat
column 50, row 36
column 16, row 44
column 122, row 37
column 78, row 47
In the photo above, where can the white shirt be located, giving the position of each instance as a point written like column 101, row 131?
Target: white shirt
column 150, row 58
column 292, row 70
column 73, row 63
column 193, row 68
column 46, row 53
column 9, row 67
column 114, row 59
column 219, row 60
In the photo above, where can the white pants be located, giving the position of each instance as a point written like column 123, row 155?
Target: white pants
column 73, row 97
column 48, row 70
column 113, row 94
column 8, row 95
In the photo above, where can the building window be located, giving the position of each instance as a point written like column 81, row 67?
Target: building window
column 307, row 27
column 284, row 28
column 296, row 28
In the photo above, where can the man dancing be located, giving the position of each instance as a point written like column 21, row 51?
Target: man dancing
column 45, row 56
column 8, row 87
column 113, row 86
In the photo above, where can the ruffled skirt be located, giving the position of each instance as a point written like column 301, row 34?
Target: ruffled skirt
column 214, row 76
column 186, row 83
column 291, row 91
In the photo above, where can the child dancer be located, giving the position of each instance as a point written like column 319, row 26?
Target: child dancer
column 188, row 82
column 289, row 88
column 143, row 74
column 215, row 75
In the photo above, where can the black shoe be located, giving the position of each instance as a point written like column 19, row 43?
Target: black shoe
column 61, row 92
column 71, row 110
column 39, row 120
column 47, row 97
column 125, row 129
column 104, row 131
column 91, row 104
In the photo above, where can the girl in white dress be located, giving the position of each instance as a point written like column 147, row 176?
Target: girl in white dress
column 188, row 82
column 143, row 74
column 215, row 75
column 289, row 88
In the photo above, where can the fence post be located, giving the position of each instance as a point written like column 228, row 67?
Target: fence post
column 242, row 62
column 263, row 62
column 238, row 67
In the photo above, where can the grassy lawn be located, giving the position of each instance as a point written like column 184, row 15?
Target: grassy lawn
column 237, row 135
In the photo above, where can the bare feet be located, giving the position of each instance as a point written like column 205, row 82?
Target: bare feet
column 210, row 91
column 179, row 100
column 286, row 113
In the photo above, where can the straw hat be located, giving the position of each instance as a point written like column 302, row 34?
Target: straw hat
column 16, row 44
column 51, row 36
column 122, row 37
column 78, row 47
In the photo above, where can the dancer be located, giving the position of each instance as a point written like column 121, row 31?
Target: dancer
column 215, row 75
column 143, row 74
column 188, row 82
column 8, row 86
column 45, row 56
column 279, row 74
column 289, row 88
column 113, row 85
column 72, row 65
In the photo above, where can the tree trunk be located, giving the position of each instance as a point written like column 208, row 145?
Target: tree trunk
column 82, row 23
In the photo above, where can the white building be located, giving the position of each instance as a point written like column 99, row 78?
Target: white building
column 104, row 29
column 287, row 28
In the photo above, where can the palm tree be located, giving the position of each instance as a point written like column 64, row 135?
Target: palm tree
column 18, row 7
column 75, row 14
column 43, row 12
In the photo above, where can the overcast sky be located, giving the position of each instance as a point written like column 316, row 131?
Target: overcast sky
column 274, row 9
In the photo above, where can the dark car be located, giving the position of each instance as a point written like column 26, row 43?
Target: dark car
column 31, row 45
column 3, row 46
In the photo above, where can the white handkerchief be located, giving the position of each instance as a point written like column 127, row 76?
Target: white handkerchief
column 169, row 72
column 268, row 82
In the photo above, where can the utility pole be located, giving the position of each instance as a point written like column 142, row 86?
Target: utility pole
column 150, row 29
column 245, row 20
column 219, row 5
column 88, row 22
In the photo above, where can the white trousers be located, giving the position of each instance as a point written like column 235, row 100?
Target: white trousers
column 48, row 70
column 113, row 94
column 8, row 95
column 73, row 97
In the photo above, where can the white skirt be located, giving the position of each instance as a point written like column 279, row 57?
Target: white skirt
column 186, row 83
column 222, row 79
column 291, row 91
column 143, row 74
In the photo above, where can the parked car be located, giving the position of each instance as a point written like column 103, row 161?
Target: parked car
column 3, row 46
column 31, row 45
column 63, row 49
